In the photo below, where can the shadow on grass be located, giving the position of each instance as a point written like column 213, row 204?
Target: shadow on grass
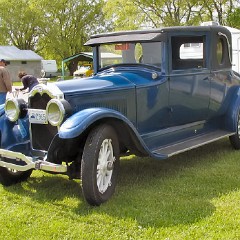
column 156, row 193
column 178, row 190
column 44, row 187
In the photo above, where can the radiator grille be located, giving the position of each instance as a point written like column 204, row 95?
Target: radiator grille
column 41, row 134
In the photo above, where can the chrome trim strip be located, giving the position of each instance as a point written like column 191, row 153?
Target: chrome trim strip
column 31, row 163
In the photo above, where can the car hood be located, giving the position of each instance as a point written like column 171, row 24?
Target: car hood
column 106, row 81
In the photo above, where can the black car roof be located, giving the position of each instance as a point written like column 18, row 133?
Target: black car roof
column 146, row 35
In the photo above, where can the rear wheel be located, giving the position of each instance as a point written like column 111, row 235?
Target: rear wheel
column 9, row 176
column 100, row 165
column 235, row 139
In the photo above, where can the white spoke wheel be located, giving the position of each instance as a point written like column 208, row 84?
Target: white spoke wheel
column 100, row 165
column 235, row 139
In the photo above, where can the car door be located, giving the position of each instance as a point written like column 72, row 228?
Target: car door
column 189, row 79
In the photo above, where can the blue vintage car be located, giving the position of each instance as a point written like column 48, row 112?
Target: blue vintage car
column 154, row 93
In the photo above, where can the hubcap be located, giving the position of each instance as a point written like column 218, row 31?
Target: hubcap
column 105, row 165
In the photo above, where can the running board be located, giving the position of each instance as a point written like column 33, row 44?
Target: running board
column 191, row 143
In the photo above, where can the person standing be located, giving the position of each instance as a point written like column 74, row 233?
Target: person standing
column 5, row 81
column 28, row 81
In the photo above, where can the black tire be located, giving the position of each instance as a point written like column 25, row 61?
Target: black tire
column 99, row 178
column 9, row 177
column 235, row 139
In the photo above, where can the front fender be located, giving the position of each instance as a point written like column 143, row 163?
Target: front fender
column 78, row 122
column 13, row 133
column 2, row 110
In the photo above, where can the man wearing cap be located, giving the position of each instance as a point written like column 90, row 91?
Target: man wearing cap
column 5, row 81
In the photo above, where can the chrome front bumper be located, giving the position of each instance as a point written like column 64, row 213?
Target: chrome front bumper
column 31, row 163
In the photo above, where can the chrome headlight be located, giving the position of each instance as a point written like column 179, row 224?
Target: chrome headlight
column 15, row 109
column 56, row 111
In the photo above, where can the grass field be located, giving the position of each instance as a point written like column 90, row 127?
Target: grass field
column 195, row 195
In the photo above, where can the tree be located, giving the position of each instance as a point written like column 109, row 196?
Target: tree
column 233, row 18
column 20, row 23
column 163, row 13
column 54, row 29
column 70, row 23
column 169, row 12
column 216, row 10
column 123, row 15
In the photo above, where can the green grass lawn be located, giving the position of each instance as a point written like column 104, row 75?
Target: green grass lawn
column 195, row 195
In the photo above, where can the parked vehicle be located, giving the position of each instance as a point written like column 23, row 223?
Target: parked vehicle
column 85, row 70
column 49, row 68
column 151, row 101
column 235, row 48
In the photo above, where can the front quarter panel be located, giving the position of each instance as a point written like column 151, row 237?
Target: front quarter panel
column 81, row 120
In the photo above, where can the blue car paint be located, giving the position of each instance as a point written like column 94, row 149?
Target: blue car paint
column 76, row 124
column 13, row 134
column 231, row 116
column 111, row 85
column 79, row 122
column 155, row 117
column 107, row 80
column 83, row 118
column 2, row 111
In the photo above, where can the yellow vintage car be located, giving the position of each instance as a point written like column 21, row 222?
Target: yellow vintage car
column 85, row 70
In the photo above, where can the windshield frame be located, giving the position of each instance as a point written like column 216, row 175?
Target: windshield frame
column 152, row 50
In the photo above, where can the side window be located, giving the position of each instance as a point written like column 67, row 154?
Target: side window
column 220, row 51
column 138, row 53
column 188, row 52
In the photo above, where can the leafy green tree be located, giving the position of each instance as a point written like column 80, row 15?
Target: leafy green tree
column 169, row 12
column 216, row 10
column 69, row 25
column 123, row 15
column 54, row 29
column 233, row 18
column 157, row 13
column 20, row 23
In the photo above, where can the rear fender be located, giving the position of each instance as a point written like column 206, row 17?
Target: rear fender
column 232, row 112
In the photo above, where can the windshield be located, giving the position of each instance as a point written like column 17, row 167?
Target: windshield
column 149, row 53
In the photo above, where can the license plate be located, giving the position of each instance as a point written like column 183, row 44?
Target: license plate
column 37, row 116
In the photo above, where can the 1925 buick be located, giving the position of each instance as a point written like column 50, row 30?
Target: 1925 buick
column 151, row 96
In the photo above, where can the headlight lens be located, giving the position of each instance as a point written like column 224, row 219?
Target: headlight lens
column 56, row 111
column 15, row 109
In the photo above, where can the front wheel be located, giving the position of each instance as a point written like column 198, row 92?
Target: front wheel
column 100, row 165
column 9, row 176
column 235, row 139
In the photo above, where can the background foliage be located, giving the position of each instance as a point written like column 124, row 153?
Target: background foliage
column 57, row 29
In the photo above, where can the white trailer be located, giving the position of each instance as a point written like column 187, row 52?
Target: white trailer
column 49, row 68
column 235, row 48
